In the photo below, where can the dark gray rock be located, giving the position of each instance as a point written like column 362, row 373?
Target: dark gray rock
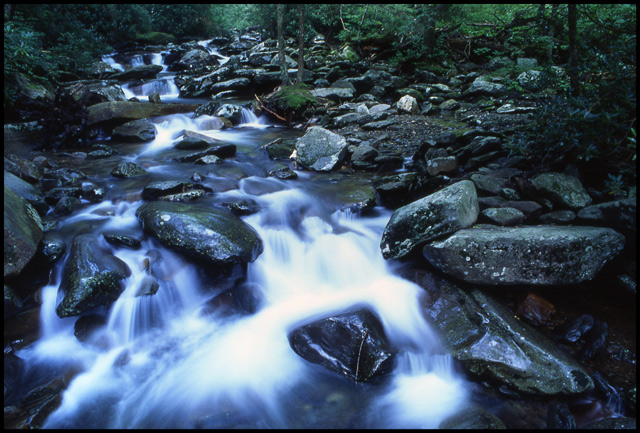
column 562, row 189
column 210, row 234
column 136, row 131
column 351, row 344
column 618, row 213
column 128, row 169
column 321, row 150
column 441, row 213
column 22, row 232
column 491, row 342
column 92, row 277
column 538, row 255
column 505, row 216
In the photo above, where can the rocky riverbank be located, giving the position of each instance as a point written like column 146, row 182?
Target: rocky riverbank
column 529, row 277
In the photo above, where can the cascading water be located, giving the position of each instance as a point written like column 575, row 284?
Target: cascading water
column 183, row 357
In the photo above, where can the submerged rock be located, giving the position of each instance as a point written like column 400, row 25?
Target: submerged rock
column 441, row 213
column 527, row 255
column 210, row 234
column 92, row 277
column 490, row 341
column 351, row 344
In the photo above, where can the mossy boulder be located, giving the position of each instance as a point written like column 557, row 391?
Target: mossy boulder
column 22, row 232
column 92, row 277
column 541, row 255
column 450, row 209
column 492, row 343
column 209, row 234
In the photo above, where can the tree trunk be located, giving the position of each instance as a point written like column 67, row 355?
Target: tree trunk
column 300, row 42
column 432, row 13
column 573, row 50
column 552, row 31
column 284, row 73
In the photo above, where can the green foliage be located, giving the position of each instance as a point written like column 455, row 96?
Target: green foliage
column 155, row 38
column 595, row 123
column 22, row 47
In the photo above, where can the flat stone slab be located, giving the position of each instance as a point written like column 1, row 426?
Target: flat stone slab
column 540, row 255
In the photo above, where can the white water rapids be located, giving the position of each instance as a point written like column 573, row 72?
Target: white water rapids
column 175, row 360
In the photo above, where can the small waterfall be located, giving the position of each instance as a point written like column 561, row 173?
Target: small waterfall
column 137, row 60
column 108, row 58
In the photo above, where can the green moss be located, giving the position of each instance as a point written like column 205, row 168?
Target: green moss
column 295, row 97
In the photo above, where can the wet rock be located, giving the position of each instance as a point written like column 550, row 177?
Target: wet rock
column 280, row 148
column 12, row 304
column 26, row 191
column 505, row 216
column 557, row 217
column 560, row 417
column 66, row 206
column 528, row 255
column 22, row 232
column 128, row 169
column 155, row 190
column 125, row 240
column 475, row 418
column 138, row 73
column 221, row 151
column 135, row 131
column 208, row 160
column 623, row 423
column 573, row 330
column 92, row 277
column 321, row 150
column 210, row 234
column 242, row 207
column 536, row 309
column 122, row 111
column 87, row 325
column 191, row 144
column 441, row 213
column 282, row 171
column 447, row 165
column 351, row 344
column 595, row 340
column 562, row 189
column 618, row 213
column 487, row 338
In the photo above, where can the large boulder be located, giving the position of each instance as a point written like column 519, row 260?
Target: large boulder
column 92, row 277
column 333, row 93
column 485, row 88
column 122, row 111
column 138, row 73
column 491, row 342
column 351, row 344
column 22, row 232
column 540, row 255
column 321, row 150
column 209, row 234
column 450, row 209
column 408, row 104
column 563, row 189
column 618, row 213
column 137, row 131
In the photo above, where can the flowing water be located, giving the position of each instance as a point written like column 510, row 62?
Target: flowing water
column 188, row 357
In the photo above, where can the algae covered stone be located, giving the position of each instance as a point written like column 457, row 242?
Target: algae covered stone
column 210, row 234
column 540, row 255
column 450, row 209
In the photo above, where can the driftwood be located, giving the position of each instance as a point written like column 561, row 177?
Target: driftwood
column 263, row 107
